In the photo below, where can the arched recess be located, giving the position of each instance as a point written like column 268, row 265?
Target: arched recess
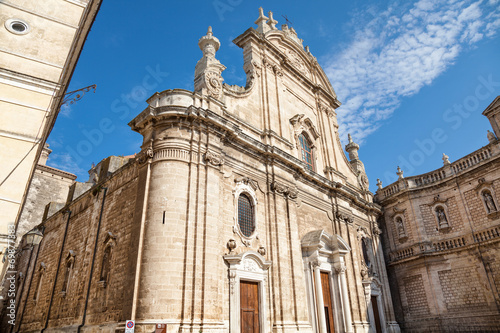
column 324, row 262
column 245, row 267
column 486, row 193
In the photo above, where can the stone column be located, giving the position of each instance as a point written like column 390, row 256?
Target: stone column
column 340, row 270
column 319, row 299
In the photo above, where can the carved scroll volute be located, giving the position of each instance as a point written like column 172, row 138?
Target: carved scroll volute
column 146, row 154
column 284, row 190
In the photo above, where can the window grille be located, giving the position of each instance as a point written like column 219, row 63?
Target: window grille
column 245, row 215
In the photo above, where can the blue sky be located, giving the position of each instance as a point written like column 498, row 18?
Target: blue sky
column 413, row 76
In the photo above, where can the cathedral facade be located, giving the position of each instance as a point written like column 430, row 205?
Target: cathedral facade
column 240, row 213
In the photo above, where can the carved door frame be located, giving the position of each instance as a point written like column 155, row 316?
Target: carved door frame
column 248, row 266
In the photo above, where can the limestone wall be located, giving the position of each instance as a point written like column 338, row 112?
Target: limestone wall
column 446, row 276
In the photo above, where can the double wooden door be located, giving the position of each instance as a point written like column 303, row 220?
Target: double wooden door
column 249, row 307
column 327, row 301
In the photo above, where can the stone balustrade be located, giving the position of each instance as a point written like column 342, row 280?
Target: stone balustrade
column 441, row 174
column 470, row 239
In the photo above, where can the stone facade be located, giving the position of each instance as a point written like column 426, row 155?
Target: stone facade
column 40, row 49
column 442, row 242
column 165, row 238
column 48, row 185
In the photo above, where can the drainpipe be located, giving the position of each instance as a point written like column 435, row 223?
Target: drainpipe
column 141, row 242
column 29, row 287
column 57, row 271
column 93, row 260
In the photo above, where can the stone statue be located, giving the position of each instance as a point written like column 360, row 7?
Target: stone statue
column 490, row 203
column 401, row 228
column 443, row 221
column 446, row 159
column 400, row 173
column 491, row 137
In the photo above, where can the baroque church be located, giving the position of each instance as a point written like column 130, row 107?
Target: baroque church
column 242, row 213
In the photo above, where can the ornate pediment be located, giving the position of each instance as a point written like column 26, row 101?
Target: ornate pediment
column 296, row 62
column 322, row 241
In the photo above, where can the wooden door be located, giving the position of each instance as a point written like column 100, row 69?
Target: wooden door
column 376, row 314
column 249, row 305
column 327, row 300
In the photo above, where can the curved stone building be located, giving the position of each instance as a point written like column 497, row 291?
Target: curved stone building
column 442, row 240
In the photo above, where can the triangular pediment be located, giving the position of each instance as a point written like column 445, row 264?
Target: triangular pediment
column 301, row 60
column 493, row 108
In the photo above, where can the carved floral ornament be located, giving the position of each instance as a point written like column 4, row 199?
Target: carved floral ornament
column 214, row 159
column 296, row 62
column 246, row 264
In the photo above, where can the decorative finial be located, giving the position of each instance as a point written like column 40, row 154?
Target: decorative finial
column 272, row 22
column 491, row 137
column 209, row 44
column 446, row 160
column 352, row 148
column 379, row 184
column 208, row 70
column 261, row 27
column 400, row 173
column 231, row 245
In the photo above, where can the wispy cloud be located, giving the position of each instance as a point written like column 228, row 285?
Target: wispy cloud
column 65, row 111
column 399, row 51
column 65, row 162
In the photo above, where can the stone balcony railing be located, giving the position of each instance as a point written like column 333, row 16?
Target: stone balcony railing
column 429, row 247
column 447, row 171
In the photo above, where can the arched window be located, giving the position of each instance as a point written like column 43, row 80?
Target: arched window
column 70, row 259
column 246, row 220
column 106, row 265
column 41, row 274
column 306, row 151
column 67, row 274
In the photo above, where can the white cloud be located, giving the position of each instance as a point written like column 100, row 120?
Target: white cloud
column 65, row 110
column 65, row 162
column 399, row 51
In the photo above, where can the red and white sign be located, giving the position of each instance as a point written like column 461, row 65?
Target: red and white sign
column 130, row 326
